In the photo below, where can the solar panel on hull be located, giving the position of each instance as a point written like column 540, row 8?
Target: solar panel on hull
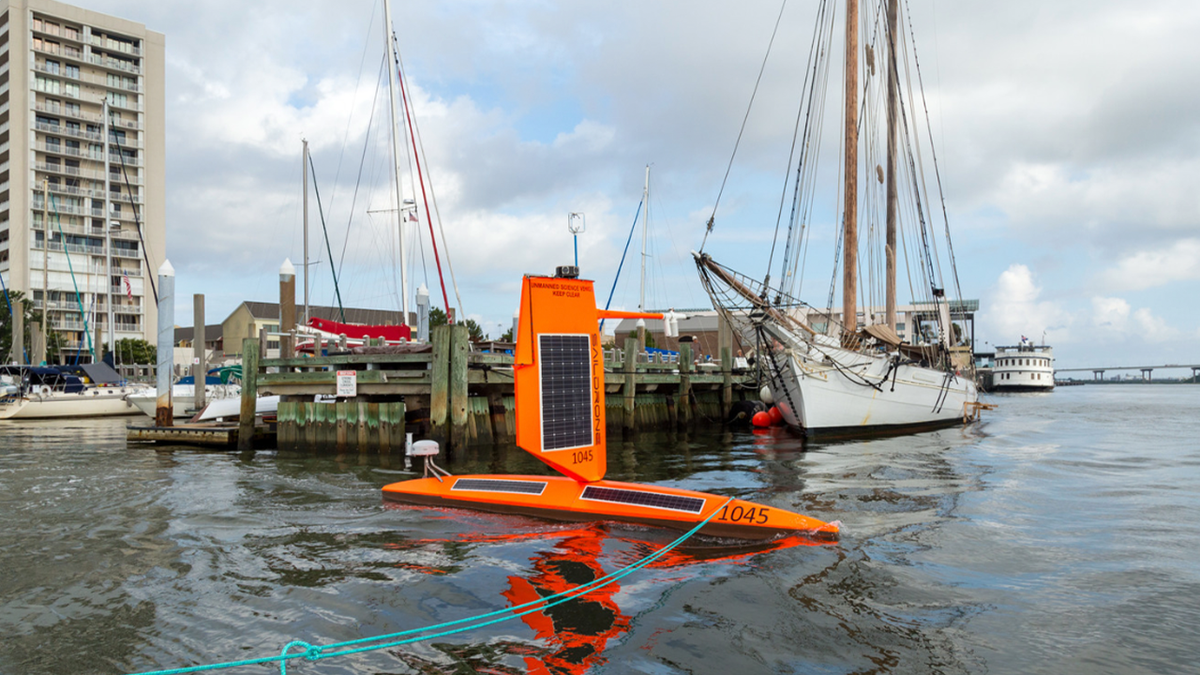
column 655, row 500
column 525, row 487
column 566, row 369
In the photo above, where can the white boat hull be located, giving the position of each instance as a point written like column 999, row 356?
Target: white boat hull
column 863, row 394
column 92, row 402
column 183, row 399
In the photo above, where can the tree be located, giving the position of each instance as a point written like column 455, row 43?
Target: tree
column 134, row 350
column 474, row 332
column 437, row 317
column 506, row 336
column 54, row 340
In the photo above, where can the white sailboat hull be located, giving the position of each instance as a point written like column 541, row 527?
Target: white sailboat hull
column 862, row 394
column 92, row 402
column 183, row 398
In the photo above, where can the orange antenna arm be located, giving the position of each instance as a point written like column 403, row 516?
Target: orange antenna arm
column 608, row 314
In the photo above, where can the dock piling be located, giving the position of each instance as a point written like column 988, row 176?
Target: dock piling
column 249, row 394
column 163, row 413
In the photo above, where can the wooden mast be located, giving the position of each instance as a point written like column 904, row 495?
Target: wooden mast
column 892, row 86
column 850, row 211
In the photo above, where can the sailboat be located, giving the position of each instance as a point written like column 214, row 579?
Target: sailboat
column 559, row 383
column 828, row 376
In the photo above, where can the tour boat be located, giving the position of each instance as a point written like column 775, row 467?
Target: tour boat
column 558, row 376
column 1024, row 367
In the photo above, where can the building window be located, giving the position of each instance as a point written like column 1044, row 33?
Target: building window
column 71, row 71
column 52, row 67
column 71, row 89
column 46, row 85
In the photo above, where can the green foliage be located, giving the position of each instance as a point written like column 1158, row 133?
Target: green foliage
column 133, row 350
column 54, row 341
column 437, row 317
column 650, row 343
column 506, row 336
column 474, row 331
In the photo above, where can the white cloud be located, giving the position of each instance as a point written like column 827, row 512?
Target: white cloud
column 1014, row 308
column 1179, row 261
column 1113, row 319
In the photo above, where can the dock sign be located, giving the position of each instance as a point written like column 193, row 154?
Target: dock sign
column 347, row 383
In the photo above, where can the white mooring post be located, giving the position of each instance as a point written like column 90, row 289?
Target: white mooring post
column 163, row 416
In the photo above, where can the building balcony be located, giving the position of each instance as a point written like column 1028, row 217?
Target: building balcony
column 74, row 171
column 64, row 130
column 113, row 64
column 76, row 113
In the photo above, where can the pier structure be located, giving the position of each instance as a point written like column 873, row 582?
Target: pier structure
column 368, row 399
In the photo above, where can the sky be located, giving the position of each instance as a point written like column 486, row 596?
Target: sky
column 1067, row 135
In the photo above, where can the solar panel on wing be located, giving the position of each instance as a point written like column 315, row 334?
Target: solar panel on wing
column 528, row 487
column 565, row 368
column 657, row 500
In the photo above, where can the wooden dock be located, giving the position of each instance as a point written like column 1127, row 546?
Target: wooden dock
column 461, row 397
column 209, row 435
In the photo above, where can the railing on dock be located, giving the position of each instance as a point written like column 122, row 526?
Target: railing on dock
column 459, row 397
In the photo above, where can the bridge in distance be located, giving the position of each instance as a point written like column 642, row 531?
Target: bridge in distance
column 1098, row 373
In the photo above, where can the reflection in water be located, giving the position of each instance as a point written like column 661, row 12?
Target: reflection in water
column 571, row 636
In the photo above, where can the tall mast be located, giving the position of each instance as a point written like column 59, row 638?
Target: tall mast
column 304, row 161
column 645, row 227
column 850, row 241
column 46, row 266
column 892, row 86
column 391, row 64
column 107, row 285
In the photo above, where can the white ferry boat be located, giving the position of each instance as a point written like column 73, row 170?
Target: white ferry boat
column 1025, row 367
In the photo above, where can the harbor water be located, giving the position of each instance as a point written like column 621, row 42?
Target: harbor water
column 1057, row 536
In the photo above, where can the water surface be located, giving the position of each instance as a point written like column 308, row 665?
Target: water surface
column 1057, row 536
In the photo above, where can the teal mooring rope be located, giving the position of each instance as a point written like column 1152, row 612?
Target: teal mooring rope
column 314, row 653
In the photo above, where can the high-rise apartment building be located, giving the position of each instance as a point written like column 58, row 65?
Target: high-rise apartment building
column 59, row 67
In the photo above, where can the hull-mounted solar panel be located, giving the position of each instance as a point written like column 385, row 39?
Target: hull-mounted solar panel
column 524, row 487
column 654, row 500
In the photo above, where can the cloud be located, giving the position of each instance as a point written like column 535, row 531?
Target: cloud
column 1114, row 320
column 1179, row 261
column 1014, row 308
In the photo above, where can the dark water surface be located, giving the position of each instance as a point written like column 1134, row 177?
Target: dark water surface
column 1059, row 536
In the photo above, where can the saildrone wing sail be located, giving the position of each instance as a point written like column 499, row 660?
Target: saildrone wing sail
column 559, row 377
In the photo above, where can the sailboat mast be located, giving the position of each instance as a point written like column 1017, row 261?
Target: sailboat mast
column 107, row 285
column 850, row 215
column 645, row 227
column 391, row 63
column 304, row 168
column 892, row 117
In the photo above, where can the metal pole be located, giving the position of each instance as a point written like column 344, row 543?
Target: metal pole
column 166, row 344
column 391, row 64
column 306, row 263
column 641, row 324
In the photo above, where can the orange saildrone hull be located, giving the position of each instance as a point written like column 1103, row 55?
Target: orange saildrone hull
column 562, row 498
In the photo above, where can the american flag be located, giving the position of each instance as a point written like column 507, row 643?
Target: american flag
column 128, row 286
column 412, row 217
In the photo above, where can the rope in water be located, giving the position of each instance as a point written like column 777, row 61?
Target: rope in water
column 315, row 653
